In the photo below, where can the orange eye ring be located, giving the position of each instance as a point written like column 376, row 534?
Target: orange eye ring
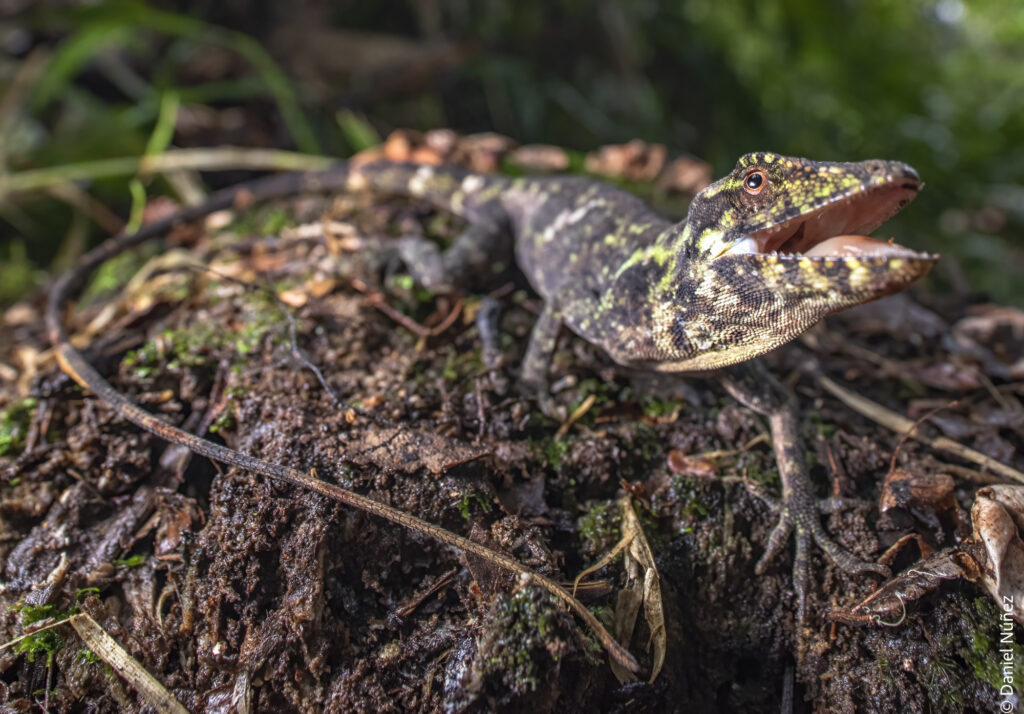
column 755, row 182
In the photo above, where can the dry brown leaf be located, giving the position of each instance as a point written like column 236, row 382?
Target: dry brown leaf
column 998, row 519
column 927, row 497
column 635, row 160
column 686, row 175
column 995, row 334
column 993, row 557
column 642, row 587
column 699, row 466
column 540, row 157
column 294, row 297
column 888, row 605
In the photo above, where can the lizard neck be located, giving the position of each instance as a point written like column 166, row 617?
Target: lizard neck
column 652, row 298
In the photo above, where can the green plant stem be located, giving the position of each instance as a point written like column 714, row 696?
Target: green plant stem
column 223, row 158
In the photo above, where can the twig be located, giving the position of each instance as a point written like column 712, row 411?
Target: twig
column 928, row 415
column 901, row 425
column 118, row 658
column 575, row 416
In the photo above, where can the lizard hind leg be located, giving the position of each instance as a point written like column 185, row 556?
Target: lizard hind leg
column 480, row 252
column 798, row 514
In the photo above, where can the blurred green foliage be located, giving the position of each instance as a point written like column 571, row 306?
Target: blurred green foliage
column 937, row 83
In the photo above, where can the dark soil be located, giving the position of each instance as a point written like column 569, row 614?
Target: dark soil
column 241, row 594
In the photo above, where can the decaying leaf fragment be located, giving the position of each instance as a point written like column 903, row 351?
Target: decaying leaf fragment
column 643, row 587
column 888, row 605
column 993, row 557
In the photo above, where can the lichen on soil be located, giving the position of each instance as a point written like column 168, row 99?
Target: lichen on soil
column 230, row 588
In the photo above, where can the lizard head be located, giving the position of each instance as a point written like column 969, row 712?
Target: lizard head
column 772, row 204
column 776, row 245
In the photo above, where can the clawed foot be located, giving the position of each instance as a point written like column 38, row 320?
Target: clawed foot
column 424, row 262
column 800, row 517
column 546, row 402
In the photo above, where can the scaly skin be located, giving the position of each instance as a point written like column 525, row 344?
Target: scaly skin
column 695, row 296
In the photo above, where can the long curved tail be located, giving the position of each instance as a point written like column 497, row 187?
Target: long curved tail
column 453, row 189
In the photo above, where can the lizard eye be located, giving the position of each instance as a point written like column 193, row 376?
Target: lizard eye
column 754, row 182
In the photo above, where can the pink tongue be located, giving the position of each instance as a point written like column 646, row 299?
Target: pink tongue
column 854, row 245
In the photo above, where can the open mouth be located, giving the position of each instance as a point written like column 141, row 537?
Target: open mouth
column 839, row 228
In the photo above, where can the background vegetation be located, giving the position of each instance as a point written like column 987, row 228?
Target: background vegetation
column 937, row 83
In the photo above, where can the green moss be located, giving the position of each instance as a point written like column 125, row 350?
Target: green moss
column 275, row 220
column 87, row 656
column 14, row 423
column 525, row 640
column 403, row 282
column 416, row 298
column 174, row 349
column 592, row 387
column 459, row 365
column 769, row 478
column 132, row 561
column 689, row 493
column 113, row 274
column 226, row 419
column 267, row 220
column 655, row 407
column 191, row 346
column 983, row 652
column 822, row 429
column 552, row 451
column 46, row 642
column 465, row 504
column 599, row 528
column 941, row 681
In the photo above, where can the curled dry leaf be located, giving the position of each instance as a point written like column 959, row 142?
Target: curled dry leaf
column 483, row 152
column 643, row 587
column 926, row 497
column 293, row 297
column 699, row 466
column 686, row 175
column 995, row 334
column 635, row 160
column 917, row 492
column 998, row 518
column 400, row 144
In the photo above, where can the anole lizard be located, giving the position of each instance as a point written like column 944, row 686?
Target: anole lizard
column 764, row 253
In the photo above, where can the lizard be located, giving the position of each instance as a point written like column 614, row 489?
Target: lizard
column 763, row 254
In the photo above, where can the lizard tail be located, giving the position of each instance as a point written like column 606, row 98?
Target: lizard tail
column 449, row 188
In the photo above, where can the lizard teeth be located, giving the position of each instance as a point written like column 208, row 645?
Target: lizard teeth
column 742, row 247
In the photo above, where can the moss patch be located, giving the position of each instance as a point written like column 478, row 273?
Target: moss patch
column 14, row 422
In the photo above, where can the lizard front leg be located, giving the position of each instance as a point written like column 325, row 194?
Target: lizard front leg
column 754, row 387
column 534, row 377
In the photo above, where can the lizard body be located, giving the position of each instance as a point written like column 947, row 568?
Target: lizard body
column 708, row 293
